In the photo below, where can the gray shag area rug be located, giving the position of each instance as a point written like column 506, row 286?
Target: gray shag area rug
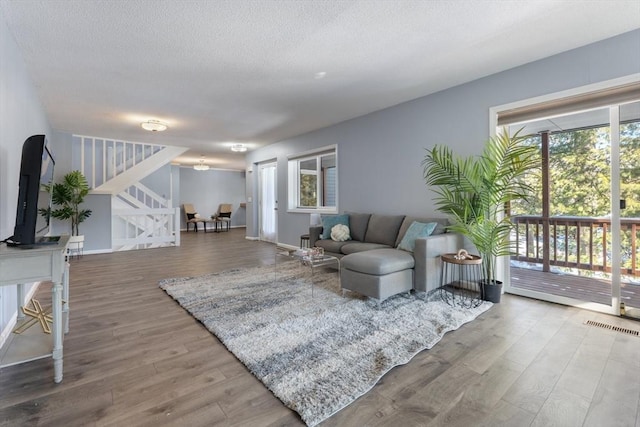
column 316, row 353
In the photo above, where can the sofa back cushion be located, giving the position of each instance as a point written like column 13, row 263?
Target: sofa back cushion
column 329, row 221
column 417, row 230
column 383, row 229
column 358, row 225
column 408, row 220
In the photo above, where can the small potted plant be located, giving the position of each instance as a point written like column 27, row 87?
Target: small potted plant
column 67, row 196
column 474, row 191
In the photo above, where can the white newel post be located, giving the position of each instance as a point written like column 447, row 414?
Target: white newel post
column 176, row 226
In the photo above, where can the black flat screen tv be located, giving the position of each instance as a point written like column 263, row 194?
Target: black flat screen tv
column 34, row 199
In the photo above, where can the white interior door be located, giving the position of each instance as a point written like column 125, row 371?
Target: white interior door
column 268, row 203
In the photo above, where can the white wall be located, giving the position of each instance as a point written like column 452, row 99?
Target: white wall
column 380, row 154
column 21, row 115
column 205, row 190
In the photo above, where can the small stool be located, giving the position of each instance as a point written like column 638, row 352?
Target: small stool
column 304, row 241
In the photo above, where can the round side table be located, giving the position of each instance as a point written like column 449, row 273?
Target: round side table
column 460, row 279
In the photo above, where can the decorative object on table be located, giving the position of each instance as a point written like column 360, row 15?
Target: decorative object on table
column 37, row 314
column 461, row 277
column 473, row 191
column 301, row 252
column 317, row 355
column 314, row 254
column 318, row 253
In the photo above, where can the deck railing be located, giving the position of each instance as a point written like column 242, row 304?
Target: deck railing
column 575, row 242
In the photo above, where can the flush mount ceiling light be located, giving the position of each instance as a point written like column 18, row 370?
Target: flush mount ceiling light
column 154, row 125
column 201, row 166
column 239, row 148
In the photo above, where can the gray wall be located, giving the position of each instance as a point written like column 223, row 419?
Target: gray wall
column 205, row 190
column 21, row 115
column 380, row 154
column 159, row 181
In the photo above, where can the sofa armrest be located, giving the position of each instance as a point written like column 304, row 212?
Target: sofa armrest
column 428, row 265
column 314, row 234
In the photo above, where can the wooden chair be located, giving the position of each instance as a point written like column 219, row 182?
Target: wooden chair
column 223, row 216
column 192, row 217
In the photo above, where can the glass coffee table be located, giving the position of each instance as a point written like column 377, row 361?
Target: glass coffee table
column 312, row 262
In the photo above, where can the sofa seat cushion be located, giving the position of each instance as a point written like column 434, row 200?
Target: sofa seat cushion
column 331, row 245
column 378, row 262
column 353, row 247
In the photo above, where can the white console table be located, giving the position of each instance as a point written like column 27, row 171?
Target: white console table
column 43, row 263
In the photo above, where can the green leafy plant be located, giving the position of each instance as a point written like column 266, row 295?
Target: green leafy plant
column 474, row 191
column 69, row 195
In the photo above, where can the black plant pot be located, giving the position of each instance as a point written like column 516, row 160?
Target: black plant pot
column 491, row 291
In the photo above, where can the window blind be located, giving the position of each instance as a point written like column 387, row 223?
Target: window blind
column 614, row 95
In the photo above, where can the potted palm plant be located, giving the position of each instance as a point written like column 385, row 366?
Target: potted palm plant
column 67, row 196
column 473, row 192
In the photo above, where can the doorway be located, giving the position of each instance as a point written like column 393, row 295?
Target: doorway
column 268, row 202
column 577, row 240
column 629, row 174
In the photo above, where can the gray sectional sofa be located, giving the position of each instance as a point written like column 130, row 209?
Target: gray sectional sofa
column 373, row 265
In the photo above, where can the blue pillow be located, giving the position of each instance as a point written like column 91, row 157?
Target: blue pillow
column 328, row 221
column 415, row 231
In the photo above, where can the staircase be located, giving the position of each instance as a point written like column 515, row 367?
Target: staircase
column 140, row 217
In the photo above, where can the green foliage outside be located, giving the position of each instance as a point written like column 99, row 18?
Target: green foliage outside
column 580, row 186
column 579, row 174
column 308, row 190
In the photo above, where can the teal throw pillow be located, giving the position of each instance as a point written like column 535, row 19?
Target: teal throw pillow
column 328, row 221
column 415, row 231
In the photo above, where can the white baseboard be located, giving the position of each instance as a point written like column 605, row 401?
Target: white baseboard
column 97, row 251
column 251, row 238
column 233, row 226
column 284, row 245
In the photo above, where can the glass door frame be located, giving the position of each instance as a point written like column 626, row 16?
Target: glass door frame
column 261, row 217
column 614, row 118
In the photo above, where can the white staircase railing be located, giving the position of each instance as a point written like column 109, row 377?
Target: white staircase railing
column 140, row 196
column 145, row 228
column 101, row 159
column 141, row 218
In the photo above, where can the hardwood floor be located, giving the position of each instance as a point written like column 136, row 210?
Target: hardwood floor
column 134, row 357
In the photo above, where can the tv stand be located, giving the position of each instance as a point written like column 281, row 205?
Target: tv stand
column 41, row 263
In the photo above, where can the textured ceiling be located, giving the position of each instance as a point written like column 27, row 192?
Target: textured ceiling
column 242, row 71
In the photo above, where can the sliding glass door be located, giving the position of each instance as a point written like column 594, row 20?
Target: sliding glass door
column 630, row 208
column 577, row 238
column 268, row 202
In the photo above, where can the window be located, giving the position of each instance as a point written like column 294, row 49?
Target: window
column 313, row 181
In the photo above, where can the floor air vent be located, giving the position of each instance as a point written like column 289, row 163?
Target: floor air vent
column 613, row 328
